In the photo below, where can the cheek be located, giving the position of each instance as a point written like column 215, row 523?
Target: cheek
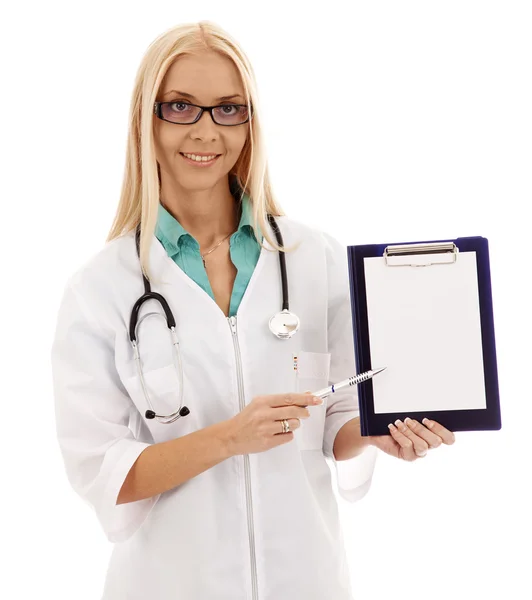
column 167, row 141
column 238, row 145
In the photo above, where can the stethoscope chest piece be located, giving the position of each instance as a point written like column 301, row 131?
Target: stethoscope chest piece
column 284, row 324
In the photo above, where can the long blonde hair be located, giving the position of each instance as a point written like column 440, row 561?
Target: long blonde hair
column 139, row 198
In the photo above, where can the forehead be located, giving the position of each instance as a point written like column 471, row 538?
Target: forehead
column 206, row 76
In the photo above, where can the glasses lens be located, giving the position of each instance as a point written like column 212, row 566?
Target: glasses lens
column 179, row 112
column 230, row 114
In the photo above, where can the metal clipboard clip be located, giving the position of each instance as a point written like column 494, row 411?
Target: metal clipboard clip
column 415, row 255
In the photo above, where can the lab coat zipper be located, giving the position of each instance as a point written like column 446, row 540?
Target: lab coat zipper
column 251, row 527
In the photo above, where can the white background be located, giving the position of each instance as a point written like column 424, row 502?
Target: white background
column 386, row 122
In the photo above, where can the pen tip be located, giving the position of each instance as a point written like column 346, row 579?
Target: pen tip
column 376, row 371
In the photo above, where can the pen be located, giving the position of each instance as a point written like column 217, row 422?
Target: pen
column 347, row 382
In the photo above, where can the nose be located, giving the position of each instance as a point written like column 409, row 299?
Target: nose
column 204, row 125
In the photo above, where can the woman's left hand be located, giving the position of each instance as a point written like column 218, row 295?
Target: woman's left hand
column 412, row 440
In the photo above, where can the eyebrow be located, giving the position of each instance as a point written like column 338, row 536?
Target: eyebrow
column 195, row 99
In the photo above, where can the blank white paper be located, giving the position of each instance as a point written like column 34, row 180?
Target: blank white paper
column 424, row 326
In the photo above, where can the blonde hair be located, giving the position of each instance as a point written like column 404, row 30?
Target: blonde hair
column 139, row 198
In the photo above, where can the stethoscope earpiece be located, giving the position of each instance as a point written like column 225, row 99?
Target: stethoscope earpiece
column 151, row 414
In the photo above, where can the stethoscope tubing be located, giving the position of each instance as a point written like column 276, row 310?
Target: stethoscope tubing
column 149, row 294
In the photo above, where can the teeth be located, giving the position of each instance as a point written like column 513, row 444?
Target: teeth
column 199, row 158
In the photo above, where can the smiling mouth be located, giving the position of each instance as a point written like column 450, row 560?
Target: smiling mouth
column 215, row 155
column 200, row 163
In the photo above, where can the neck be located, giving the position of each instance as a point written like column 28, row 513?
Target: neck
column 208, row 215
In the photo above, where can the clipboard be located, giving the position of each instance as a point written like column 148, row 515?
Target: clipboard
column 424, row 311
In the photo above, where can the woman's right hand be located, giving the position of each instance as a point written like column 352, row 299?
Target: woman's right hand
column 258, row 426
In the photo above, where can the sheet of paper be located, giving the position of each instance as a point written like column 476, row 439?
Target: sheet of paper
column 424, row 326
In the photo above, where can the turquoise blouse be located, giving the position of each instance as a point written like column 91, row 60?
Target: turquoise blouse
column 183, row 249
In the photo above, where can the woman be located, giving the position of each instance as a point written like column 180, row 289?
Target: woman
column 222, row 491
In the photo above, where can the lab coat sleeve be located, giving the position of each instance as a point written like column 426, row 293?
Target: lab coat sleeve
column 354, row 476
column 92, row 415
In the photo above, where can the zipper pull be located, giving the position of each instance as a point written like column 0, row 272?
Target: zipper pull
column 232, row 324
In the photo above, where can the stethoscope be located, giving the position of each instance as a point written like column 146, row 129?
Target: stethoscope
column 283, row 325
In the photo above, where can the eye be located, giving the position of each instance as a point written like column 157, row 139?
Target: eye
column 178, row 102
column 223, row 106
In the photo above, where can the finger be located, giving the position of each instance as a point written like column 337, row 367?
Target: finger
column 314, row 399
column 407, row 446
column 293, row 399
column 421, row 431
column 421, row 447
column 446, row 435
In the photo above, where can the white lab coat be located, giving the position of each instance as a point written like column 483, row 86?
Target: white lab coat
column 262, row 526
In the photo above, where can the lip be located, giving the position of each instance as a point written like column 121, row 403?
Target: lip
column 201, row 153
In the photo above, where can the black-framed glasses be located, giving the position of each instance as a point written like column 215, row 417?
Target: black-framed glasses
column 185, row 113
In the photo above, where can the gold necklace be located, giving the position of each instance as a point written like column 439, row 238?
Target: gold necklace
column 204, row 255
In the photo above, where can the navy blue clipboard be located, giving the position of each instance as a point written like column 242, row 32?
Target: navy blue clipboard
column 371, row 423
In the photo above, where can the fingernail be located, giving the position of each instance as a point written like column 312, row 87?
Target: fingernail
column 317, row 400
column 427, row 422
